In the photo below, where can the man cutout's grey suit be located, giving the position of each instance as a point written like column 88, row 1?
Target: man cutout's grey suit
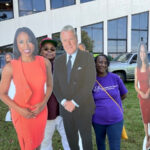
column 79, row 89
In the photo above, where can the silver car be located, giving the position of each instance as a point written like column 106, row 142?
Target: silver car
column 2, row 63
column 124, row 65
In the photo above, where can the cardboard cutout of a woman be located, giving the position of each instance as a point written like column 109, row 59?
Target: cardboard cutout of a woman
column 142, row 86
column 29, row 73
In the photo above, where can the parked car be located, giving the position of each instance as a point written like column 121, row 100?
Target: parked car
column 2, row 63
column 124, row 65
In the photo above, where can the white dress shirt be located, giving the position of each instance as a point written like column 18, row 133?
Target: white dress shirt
column 72, row 63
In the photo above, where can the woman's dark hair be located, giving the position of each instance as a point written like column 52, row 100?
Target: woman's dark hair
column 11, row 55
column 32, row 39
column 108, row 62
column 139, row 62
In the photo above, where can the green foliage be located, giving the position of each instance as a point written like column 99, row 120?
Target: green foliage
column 87, row 40
column 8, row 137
column 132, row 120
column 56, row 37
column 95, row 54
column 110, row 58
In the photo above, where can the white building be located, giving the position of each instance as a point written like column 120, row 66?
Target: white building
column 114, row 26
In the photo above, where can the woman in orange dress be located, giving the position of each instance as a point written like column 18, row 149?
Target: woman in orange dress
column 142, row 86
column 30, row 73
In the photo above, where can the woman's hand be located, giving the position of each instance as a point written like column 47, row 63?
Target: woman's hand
column 38, row 108
column 148, row 93
column 144, row 95
column 25, row 112
column 69, row 106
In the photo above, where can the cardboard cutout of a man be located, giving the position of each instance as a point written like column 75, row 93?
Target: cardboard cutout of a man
column 74, row 77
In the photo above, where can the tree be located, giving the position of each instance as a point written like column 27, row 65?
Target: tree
column 89, row 43
column 56, row 37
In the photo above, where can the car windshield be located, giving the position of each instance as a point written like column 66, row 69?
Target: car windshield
column 123, row 57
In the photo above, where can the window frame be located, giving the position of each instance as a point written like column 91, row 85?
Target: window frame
column 140, row 30
column 33, row 12
column 61, row 6
column 11, row 1
column 117, row 39
column 102, row 29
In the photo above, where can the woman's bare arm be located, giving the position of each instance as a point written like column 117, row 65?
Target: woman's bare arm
column 49, row 87
column 4, row 87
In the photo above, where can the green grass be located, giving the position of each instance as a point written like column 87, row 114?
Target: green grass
column 132, row 118
column 133, row 121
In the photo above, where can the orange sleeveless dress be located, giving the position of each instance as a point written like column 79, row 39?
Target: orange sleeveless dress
column 29, row 79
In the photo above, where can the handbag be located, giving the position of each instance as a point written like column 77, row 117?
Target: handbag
column 124, row 133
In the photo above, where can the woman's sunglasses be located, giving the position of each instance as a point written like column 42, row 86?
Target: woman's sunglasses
column 51, row 49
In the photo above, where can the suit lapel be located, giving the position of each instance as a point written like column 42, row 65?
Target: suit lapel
column 63, row 67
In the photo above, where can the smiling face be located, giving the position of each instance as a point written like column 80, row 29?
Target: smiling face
column 101, row 65
column 25, row 46
column 48, row 51
column 69, row 41
column 142, row 53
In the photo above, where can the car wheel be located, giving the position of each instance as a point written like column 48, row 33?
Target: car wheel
column 121, row 75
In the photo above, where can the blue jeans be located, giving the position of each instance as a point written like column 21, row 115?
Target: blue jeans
column 113, row 132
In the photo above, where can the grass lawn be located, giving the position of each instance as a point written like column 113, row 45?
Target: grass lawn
column 132, row 117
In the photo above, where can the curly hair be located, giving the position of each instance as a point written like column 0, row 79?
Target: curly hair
column 103, row 55
column 108, row 62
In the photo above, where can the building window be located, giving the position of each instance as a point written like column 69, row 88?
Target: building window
column 56, row 37
column 27, row 7
column 84, row 1
column 6, row 9
column 117, row 35
column 61, row 3
column 6, row 49
column 139, row 30
column 92, row 37
column 39, row 40
column 59, row 49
